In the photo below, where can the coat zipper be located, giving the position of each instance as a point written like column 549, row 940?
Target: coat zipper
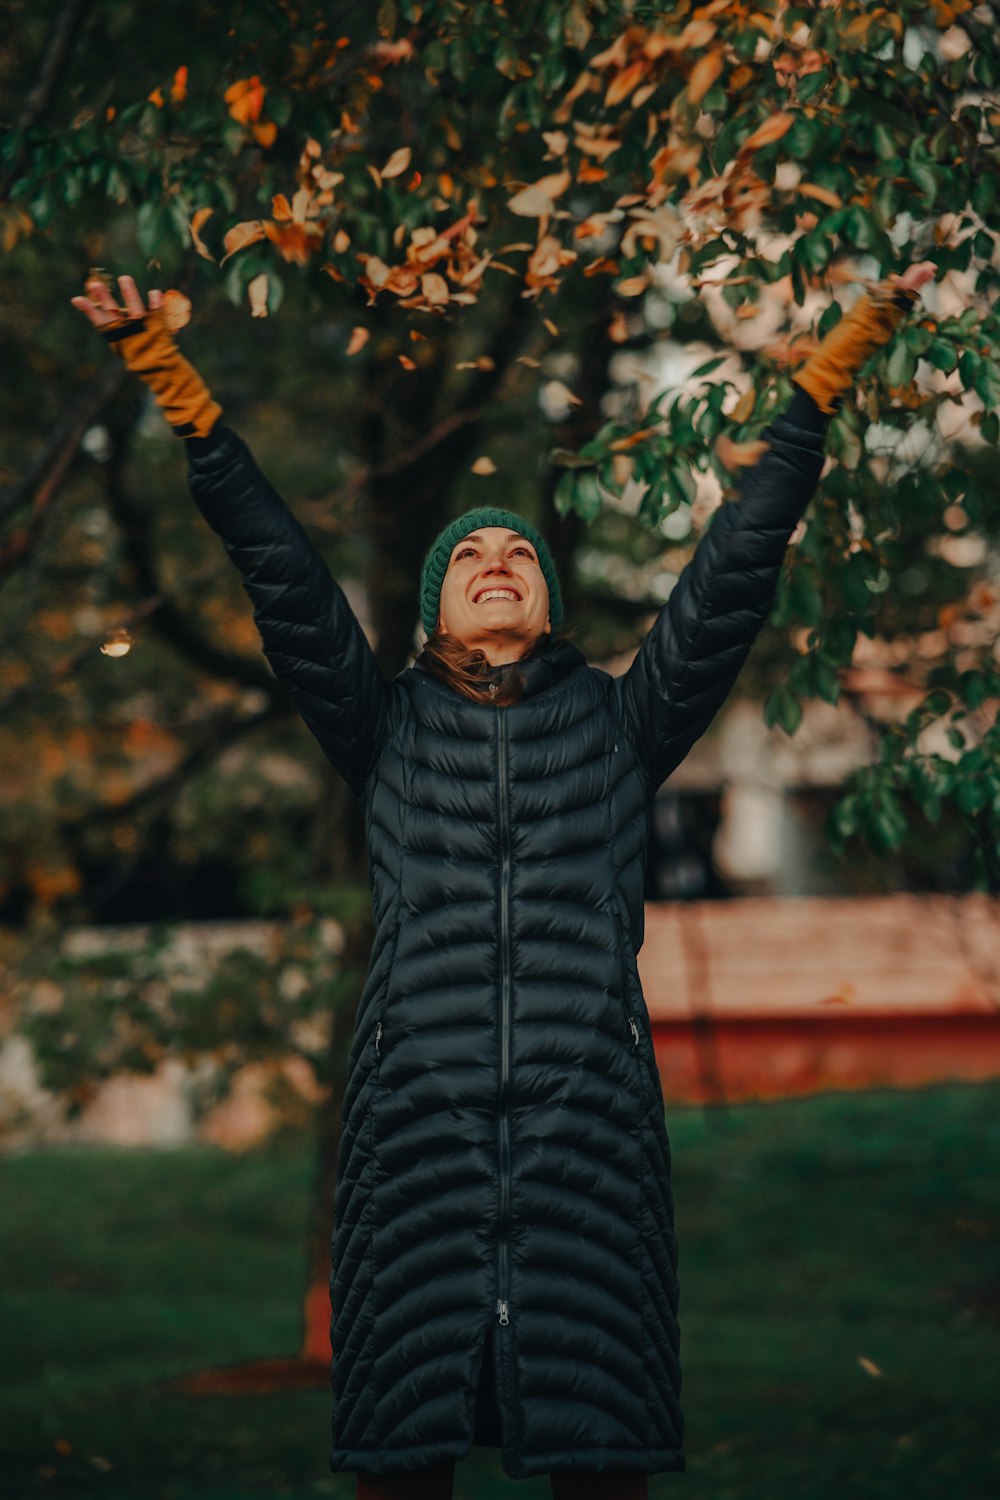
column 503, row 1311
column 624, row 978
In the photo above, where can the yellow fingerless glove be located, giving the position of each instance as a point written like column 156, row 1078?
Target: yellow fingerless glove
column 870, row 323
column 147, row 347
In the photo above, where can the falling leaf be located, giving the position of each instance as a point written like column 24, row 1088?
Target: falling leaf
column 553, row 329
column 559, row 391
column 176, row 310
column 529, row 360
column 554, row 185
column 341, row 241
column 178, row 89
column 240, row 236
column 739, row 455
column 484, row 465
column 117, row 643
column 618, row 330
column 398, row 162
column 704, row 73
column 245, row 98
column 743, row 410
column 200, row 217
column 280, row 206
column 632, row 286
column 869, row 1365
column 531, row 203
column 406, row 362
column 358, row 340
column 264, row 132
column 825, row 195
column 257, row 292
column 620, row 445
column 434, row 288
column 155, row 98
column 771, row 130
column 556, row 140
column 624, row 82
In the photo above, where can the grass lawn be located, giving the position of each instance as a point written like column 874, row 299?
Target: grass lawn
column 840, row 1312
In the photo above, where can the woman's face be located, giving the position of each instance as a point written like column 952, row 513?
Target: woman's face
column 494, row 596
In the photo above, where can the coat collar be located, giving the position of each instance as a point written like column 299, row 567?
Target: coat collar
column 543, row 670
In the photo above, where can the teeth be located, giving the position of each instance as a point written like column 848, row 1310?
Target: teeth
column 496, row 594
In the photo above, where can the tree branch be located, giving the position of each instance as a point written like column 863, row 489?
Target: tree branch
column 62, row 39
column 41, row 481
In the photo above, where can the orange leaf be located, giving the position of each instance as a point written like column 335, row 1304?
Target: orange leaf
column 704, row 73
column 398, row 162
column 484, row 465
column 265, row 133
column 155, row 98
column 240, row 236
column 406, row 362
column 434, row 288
column 624, row 82
column 358, row 340
column 739, row 455
column 771, row 130
column 201, row 215
column 178, row 89
column 257, row 292
column 280, row 207
column 825, row 195
column 176, row 310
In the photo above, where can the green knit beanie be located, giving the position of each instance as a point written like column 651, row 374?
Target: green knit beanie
column 439, row 555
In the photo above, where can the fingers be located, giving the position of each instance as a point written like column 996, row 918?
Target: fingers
column 100, row 307
column 130, row 293
column 90, row 310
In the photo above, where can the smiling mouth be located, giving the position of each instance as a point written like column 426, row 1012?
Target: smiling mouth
column 486, row 594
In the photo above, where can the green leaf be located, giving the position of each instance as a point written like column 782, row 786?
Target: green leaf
column 587, row 499
column 680, row 482
column 783, row 708
column 563, row 497
column 887, row 819
column 901, row 365
column 565, row 458
column 709, row 366
column 942, row 355
column 884, row 142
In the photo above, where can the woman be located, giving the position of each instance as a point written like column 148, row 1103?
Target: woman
column 504, row 1259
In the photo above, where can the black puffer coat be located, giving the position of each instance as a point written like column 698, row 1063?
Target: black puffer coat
column 503, row 1206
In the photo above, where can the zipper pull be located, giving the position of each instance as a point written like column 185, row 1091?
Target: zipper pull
column 504, row 1314
column 493, row 687
column 635, row 1031
column 378, row 1038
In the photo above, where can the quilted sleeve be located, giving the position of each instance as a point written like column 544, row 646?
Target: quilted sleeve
column 310, row 634
column 693, row 654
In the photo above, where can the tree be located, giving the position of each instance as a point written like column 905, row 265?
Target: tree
column 410, row 221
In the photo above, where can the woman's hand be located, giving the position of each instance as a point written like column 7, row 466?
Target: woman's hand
column 143, row 338
column 914, row 277
column 101, row 308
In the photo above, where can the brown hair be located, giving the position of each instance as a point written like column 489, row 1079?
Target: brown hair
column 468, row 672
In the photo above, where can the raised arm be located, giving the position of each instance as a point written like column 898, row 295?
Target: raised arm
column 689, row 661
column 311, row 636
